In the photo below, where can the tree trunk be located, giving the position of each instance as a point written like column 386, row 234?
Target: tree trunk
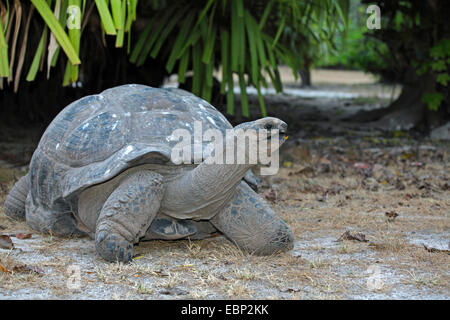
column 305, row 75
column 405, row 113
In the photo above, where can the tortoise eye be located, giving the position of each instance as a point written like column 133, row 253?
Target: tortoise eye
column 268, row 126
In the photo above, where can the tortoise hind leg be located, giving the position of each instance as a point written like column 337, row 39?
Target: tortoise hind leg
column 127, row 214
column 15, row 201
column 58, row 221
column 252, row 225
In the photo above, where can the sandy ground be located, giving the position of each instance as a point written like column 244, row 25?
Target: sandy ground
column 389, row 192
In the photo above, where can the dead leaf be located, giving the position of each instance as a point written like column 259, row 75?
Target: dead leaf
column 222, row 277
column 23, row 268
column 324, row 160
column 3, row 269
column 18, row 11
column 407, row 155
column 23, row 235
column 6, row 242
column 347, row 235
column 361, row 165
column 287, row 164
column 2, row 227
column 391, row 215
column 436, row 250
column 52, row 45
column 270, row 195
column 289, row 289
column 22, row 51
column 160, row 273
column 304, row 170
column 378, row 246
column 399, row 185
column 173, row 291
column 416, row 164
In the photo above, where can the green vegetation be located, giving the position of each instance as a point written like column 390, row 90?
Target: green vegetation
column 355, row 48
column 247, row 39
column 412, row 47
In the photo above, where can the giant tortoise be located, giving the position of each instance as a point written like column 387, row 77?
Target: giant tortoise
column 103, row 168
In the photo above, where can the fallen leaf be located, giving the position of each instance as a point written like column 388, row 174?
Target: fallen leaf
column 407, row 155
column 270, row 195
column 289, row 289
column 361, row 165
column 416, row 164
column 160, row 273
column 137, row 257
column 304, row 170
column 222, row 277
column 2, row 227
column 355, row 236
column 324, row 160
column 3, row 269
column 23, row 235
column 23, row 268
column 287, row 164
column 391, row 215
column 378, row 246
column 173, row 291
column 436, row 250
column 6, row 242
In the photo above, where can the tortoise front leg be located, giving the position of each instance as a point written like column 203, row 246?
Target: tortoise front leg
column 127, row 214
column 252, row 225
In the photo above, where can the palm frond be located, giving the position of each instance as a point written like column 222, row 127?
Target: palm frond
column 246, row 39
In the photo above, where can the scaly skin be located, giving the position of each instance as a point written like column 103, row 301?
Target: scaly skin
column 15, row 201
column 127, row 214
column 252, row 225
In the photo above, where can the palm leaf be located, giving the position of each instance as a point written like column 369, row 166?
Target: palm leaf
column 4, row 62
column 121, row 21
column 167, row 29
column 57, row 30
column 244, row 98
column 37, row 57
column 183, row 67
column 224, row 54
column 105, row 17
column 23, row 49
column 197, row 65
column 252, row 36
column 179, row 42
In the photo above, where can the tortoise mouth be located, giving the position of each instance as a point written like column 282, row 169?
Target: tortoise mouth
column 281, row 135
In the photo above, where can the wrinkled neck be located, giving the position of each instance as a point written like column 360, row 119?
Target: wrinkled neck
column 201, row 192
column 210, row 180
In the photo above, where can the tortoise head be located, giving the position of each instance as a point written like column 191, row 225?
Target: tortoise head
column 260, row 139
column 266, row 128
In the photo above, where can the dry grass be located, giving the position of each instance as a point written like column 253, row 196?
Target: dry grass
column 319, row 204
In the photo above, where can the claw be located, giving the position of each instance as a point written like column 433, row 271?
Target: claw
column 113, row 247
